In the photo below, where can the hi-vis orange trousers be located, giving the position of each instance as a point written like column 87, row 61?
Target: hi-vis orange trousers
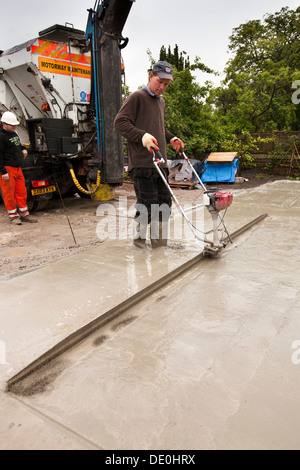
column 14, row 193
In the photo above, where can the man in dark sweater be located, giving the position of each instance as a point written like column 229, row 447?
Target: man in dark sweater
column 141, row 121
column 12, row 180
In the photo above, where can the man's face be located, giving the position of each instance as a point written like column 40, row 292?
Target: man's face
column 158, row 85
column 9, row 128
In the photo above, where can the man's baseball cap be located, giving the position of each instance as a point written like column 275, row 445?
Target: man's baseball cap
column 163, row 69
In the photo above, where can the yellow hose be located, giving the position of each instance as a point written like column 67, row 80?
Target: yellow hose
column 81, row 188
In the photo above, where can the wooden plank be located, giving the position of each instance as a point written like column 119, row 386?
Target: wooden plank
column 181, row 184
column 220, row 157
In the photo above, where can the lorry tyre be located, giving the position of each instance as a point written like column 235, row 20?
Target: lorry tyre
column 39, row 205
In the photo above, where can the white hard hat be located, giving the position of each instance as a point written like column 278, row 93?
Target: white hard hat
column 10, row 118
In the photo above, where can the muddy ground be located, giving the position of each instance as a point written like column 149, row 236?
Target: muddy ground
column 66, row 229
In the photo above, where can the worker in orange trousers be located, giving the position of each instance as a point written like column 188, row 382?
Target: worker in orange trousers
column 12, row 181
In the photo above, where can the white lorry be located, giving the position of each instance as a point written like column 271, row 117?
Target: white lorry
column 65, row 87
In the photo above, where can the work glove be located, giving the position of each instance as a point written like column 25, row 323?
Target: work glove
column 177, row 145
column 150, row 142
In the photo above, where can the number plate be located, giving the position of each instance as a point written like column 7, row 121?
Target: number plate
column 47, row 189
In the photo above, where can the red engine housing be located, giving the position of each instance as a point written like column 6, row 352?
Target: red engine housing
column 221, row 200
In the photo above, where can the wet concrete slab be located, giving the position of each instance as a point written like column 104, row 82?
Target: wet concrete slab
column 23, row 428
column 211, row 362
column 41, row 308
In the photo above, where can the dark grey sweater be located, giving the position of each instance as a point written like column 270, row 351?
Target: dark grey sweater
column 142, row 113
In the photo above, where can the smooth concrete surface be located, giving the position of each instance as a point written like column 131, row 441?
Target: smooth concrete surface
column 41, row 308
column 210, row 362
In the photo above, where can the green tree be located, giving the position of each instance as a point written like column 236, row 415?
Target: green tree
column 187, row 114
column 256, row 94
column 178, row 59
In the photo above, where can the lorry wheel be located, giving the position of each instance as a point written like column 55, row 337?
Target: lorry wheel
column 38, row 205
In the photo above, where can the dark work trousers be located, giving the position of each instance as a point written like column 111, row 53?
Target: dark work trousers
column 153, row 204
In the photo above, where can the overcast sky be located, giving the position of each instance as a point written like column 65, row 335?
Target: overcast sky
column 199, row 28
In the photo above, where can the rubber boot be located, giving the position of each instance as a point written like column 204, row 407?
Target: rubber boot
column 139, row 236
column 16, row 221
column 159, row 234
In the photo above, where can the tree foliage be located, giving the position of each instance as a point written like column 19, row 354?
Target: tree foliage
column 176, row 58
column 187, row 112
column 256, row 94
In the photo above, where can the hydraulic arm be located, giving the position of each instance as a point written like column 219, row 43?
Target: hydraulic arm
column 104, row 31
